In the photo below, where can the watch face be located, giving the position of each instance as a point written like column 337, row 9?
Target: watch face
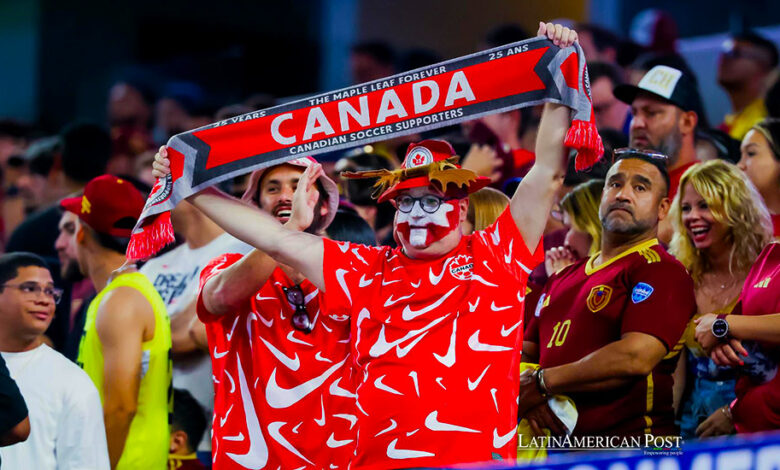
column 720, row 328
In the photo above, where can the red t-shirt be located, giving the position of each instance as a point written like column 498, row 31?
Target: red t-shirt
column 776, row 225
column 758, row 389
column 584, row 308
column 437, row 346
column 675, row 176
column 283, row 398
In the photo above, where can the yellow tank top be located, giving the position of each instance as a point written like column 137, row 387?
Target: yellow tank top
column 147, row 443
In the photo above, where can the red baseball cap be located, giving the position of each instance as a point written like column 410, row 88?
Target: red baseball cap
column 425, row 153
column 109, row 205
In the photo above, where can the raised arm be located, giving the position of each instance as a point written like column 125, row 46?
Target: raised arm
column 534, row 197
column 300, row 250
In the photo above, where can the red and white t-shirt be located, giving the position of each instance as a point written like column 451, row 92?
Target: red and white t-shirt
column 437, row 346
column 283, row 398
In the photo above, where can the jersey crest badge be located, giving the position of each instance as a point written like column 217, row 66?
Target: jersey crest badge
column 461, row 267
column 599, row 297
column 641, row 292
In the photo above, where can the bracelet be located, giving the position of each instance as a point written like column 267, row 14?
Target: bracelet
column 540, row 383
column 726, row 409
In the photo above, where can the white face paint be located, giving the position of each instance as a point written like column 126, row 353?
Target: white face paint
column 421, row 233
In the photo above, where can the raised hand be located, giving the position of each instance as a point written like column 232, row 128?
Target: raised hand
column 560, row 35
column 161, row 167
column 483, row 160
column 558, row 258
column 305, row 199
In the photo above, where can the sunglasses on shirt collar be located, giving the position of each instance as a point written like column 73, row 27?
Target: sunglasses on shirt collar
column 300, row 319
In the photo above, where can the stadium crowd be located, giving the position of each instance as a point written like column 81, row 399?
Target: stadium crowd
column 308, row 320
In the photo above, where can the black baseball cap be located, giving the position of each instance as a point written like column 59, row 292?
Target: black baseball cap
column 668, row 84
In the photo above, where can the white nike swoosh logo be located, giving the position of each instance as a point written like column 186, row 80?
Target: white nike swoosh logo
column 494, row 308
column 413, row 375
column 334, row 444
column 381, row 346
column 508, row 256
column 485, row 264
column 232, row 329
column 291, row 338
column 232, row 383
column 520, row 298
column 237, row 438
column 220, row 355
column 319, row 357
column 261, row 298
column 351, row 418
column 344, row 247
column 432, row 422
column 321, row 421
column 340, row 273
column 392, row 426
column 267, row 323
column 337, row 391
column 409, row 314
column 223, row 420
column 278, row 397
column 478, row 278
column 495, row 235
column 438, row 381
column 412, row 433
column 416, row 285
column 449, row 358
column 257, row 456
column 399, row 454
column 501, row 441
column 436, row 279
column 381, row 386
column 295, row 429
column 357, row 255
column 389, row 282
column 363, row 283
column 473, row 307
column 505, row 332
column 493, row 394
column 475, row 384
column 310, row 296
column 475, row 345
column 292, row 363
column 524, row 267
column 390, row 301
column 273, row 431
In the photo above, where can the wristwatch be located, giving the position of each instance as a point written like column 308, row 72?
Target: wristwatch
column 720, row 327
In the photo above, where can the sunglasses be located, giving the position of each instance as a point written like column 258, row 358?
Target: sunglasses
column 300, row 319
column 629, row 152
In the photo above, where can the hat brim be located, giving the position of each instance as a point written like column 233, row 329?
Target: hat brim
column 328, row 184
column 424, row 182
column 72, row 204
column 628, row 93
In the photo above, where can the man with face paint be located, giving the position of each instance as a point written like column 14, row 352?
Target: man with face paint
column 437, row 322
column 608, row 327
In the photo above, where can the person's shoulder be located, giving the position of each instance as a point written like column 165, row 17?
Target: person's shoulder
column 66, row 374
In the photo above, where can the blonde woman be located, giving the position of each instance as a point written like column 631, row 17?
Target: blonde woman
column 580, row 213
column 485, row 206
column 720, row 226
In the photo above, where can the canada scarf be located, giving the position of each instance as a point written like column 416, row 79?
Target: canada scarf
column 524, row 73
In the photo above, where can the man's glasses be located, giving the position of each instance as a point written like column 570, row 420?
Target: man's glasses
column 429, row 203
column 32, row 288
column 300, row 319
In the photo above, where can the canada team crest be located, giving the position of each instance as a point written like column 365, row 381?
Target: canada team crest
column 419, row 156
column 599, row 297
column 461, row 267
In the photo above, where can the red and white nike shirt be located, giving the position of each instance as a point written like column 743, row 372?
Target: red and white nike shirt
column 283, row 398
column 437, row 346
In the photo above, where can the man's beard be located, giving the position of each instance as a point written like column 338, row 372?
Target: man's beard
column 669, row 145
column 621, row 226
column 70, row 271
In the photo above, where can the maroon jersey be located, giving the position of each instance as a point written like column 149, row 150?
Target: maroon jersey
column 758, row 390
column 584, row 308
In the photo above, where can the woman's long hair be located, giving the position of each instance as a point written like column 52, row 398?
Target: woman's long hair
column 485, row 206
column 735, row 203
column 582, row 205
